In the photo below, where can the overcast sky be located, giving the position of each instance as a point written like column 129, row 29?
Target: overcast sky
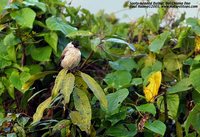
column 116, row 6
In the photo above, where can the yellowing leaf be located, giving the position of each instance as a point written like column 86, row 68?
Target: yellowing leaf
column 40, row 110
column 151, row 90
column 197, row 44
column 67, row 86
column 96, row 89
column 34, row 77
column 81, row 117
column 58, row 82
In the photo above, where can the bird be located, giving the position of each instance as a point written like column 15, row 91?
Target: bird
column 71, row 57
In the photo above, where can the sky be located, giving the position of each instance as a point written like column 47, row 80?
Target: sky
column 116, row 6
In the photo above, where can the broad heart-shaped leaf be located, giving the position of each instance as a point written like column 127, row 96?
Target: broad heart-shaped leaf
column 52, row 39
column 58, row 82
column 173, row 62
column 41, row 54
column 40, row 110
column 156, row 127
column 147, row 108
column 118, row 79
column 122, row 130
column 195, row 77
column 159, row 42
column 181, row 86
column 11, row 40
column 35, row 77
column 115, row 99
column 172, row 105
column 81, row 117
column 67, row 86
column 55, row 23
column 96, row 89
column 123, row 64
column 24, row 17
column 81, row 33
column 193, row 119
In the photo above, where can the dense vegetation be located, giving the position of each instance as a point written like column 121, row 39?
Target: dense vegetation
column 135, row 79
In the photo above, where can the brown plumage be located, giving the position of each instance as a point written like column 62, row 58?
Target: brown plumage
column 71, row 57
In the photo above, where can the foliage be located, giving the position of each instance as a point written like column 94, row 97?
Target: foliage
column 135, row 79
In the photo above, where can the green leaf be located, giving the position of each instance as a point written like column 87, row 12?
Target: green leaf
column 24, row 17
column 63, row 126
column 182, row 38
column 40, row 110
column 36, row 3
column 123, row 64
column 173, row 62
column 55, row 23
column 9, row 87
column 96, row 89
column 35, row 77
column 58, row 82
column 115, row 99
column 81, row 117
column 22, row 121
column 159, row 42
column 122, row 130
column 11, row 40
column 120, row 41
column 181, row 86
column 2, row 5
column 118, row 79
column 157, row 66
column 52, row 39
column 147, row 108
column 11, row 53
column 193, row 119
column 41, row 54
column 81, row 33
column 156, row 127
column 120, row 115
column 192, row 21
column 136, row 81
column 153, row 23
column 4, row 62
column 194, row 78
column 67, row 86
column 15, row 80
column 172, row 105
column 19, row 130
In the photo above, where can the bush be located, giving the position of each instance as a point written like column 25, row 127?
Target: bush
column 134, row 79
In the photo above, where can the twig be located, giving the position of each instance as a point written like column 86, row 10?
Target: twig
column 90, row 55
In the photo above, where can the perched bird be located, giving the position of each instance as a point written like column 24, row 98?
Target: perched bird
column 71, row 57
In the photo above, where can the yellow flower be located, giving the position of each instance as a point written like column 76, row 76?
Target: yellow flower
column 197, row 45
column 151, row 90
